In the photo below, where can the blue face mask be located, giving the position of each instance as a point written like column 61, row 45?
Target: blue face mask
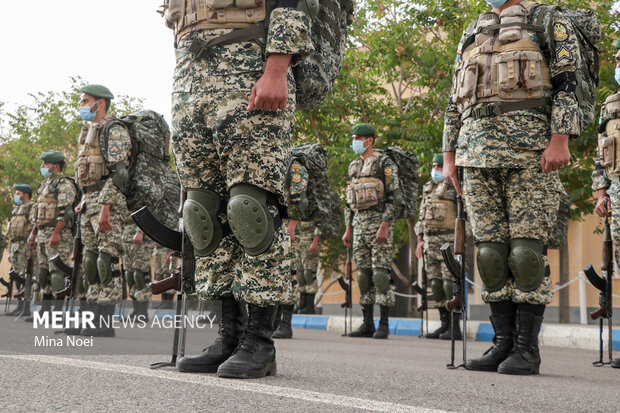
column 17, row 200
column 46, row 172
column 496, row 3
column 437, row 175
column 358, row 146
column 86, row 113
column 617, row 75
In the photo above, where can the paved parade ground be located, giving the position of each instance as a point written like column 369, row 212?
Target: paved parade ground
column 317, row 371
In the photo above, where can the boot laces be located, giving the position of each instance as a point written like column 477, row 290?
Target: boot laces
column 248, row 341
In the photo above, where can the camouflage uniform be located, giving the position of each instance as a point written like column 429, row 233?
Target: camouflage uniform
column 136, row 257
column 507, row 195
column 437, row 227
column 368, row 253
column 17, row 235
column 63, row 190
column 218, row 144
column 105, row 192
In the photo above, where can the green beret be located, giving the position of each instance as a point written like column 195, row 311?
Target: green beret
column 438, row 158
column 618, row 44
column 363, row 129
column 23, row 187
column 97, row 91
column 52, row 156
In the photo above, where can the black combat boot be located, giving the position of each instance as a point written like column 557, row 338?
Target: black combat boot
column 143, row 311
column 615, row 363
column 444, row 316
column 276, row 321
column 302, row 303
column 27, row 312
column 75, row 331
column 18, row 309
column 232, row 325
column 525, row 356
column 308, row 307
column 367, row 329
column 134, row 311
column 456, row 328
column 384, row 324
column 103, row 322
column 284, row 328
column 503, row 342
column 255, row 356
column 46, row 306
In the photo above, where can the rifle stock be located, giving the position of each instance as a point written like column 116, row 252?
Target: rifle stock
column 171, row 283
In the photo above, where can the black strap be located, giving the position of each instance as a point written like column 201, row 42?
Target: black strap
column 499, row 108
column 565, row 81
column 198, row 49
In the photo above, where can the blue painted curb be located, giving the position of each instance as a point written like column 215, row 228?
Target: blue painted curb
column 407, row 328
column 615, row 340
column 310, row 322
column 485, row 332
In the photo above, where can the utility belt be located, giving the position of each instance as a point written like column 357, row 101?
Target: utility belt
column 98, row 186
column 543, row 105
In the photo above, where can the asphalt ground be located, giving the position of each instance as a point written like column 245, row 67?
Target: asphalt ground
column 318, row 371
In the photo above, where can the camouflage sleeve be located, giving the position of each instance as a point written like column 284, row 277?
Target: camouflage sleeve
column 119, row 145
column 289, row 33
column 599, row 177
column 562, row 68
column 419, row 226
column 452, row 118
column 390, row 171
column 66, row 197
column 317, row 229
column 299, row 185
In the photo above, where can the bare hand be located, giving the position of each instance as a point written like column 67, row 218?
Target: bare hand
column 54, row 239
column 292, row 224
column 138, row 238
column 104, row 218
column 556, row 155
column 314, row 247
column 601, row 209
column 271, row 90
column 419, row 250
column 347, row 238
column 382, row 232
column 449, row 171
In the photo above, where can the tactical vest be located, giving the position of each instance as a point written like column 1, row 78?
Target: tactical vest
column 90, row 167
column 440, row 206
column 186, row 16
column 46, row 209
column 20, row 225
column 365, row 187
column 502, row 64
column 609, row 137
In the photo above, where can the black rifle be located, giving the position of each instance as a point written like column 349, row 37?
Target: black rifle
column 73, row 273
column 9, row 287
column 423, row 291
column 346, row 286
column 182, row 280
column 28, row 282
column 456, row 265
column 604, row 285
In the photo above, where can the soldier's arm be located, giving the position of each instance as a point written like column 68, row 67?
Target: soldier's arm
column 119, row 145
column 419, row 226
column 393, row 197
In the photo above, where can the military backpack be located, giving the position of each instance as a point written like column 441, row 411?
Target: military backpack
column 330, row 227
column 407, row 165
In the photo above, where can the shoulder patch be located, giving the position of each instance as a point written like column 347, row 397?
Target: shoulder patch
column 563, row 53
column 114, row 149
column 560, row 33
column 296, row 178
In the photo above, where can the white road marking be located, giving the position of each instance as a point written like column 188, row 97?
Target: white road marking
column 230, row 384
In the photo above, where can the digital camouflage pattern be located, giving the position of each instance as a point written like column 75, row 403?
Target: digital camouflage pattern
column 305, row 263
column 298, row 177
column 313, row 190
column 18, row 256
column 559, row 233
column 504, row 204
column 115, row 148
column 136, row 257
column 217, row 143
column 518, row 138
column 103, row 241
column 434, row 264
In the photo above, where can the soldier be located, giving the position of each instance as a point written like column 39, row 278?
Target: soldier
column 434, row 228
column 137, row 251
column 101, row 171
column 17, row 234
column 233, row 109
column 52, row 233
column 372, row 192
column 511, row 143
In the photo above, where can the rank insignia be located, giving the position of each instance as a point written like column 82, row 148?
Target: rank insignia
column 559, row 32
column 114, row 150
column 563, row 53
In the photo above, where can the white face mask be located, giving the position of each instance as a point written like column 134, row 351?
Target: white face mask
column 437, row 175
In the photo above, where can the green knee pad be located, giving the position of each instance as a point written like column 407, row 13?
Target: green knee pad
column 309, row 276
column 249, row 219
column 103, row 268
column 200, row 221
column 138, row 277
column 526, row 263
column 437, row 289
column 364, row 279
column 448, row 288
column 90, row 267
column 58, row 281
column 492, row 266
column 129, row 279
column 381, row 278
column 44, row 277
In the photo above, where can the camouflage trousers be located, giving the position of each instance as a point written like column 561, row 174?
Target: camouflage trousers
column 217, row 144
column 433, row 260
column 162, row 270
column 94, row 239
column 368, row 253
column 137, row 257
column 18, row 256
column 505, row 204
column 45, row 254
column 305, row 263
column 614, row 196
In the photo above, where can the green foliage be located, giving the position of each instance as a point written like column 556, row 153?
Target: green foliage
column 50, row 121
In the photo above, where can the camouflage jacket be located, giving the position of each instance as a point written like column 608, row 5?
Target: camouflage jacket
column 600, row 178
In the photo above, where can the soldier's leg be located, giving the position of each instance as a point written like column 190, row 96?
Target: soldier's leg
column 614, row 195
column 381, row 265
column 362, row 255
column 533, row 199
column 109, row 245
column 297, row 268
column 433, row 266
column 128, row 254
column 486, row 210
column 310, row 264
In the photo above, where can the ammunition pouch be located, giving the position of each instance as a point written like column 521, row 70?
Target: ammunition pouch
column 249, row 218
column 365, row 192
column 491, row 259
column 526, row 263
column 120, row 176
column 440, row 213
column 200, row 221
column 364, row 279
column 609, row 137
column 437, row 289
